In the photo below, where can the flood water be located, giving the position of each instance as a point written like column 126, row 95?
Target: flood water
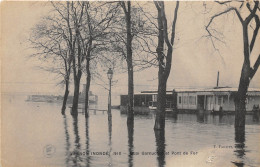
column 36, row 134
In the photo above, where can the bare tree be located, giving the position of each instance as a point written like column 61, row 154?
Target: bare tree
column 50, row 39
column 99, row 17
column 71, row 14
column 77, row 11
column 130, row 41
column 251, row 10
column 92, row 30
column 83, row 30
column 126, row 6
column 164, row 60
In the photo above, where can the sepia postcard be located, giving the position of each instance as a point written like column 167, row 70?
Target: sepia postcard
column 130, row 83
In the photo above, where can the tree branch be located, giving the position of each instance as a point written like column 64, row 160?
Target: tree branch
column 174, row 22
column 255, row 67
column 122, row 3
column 165, row 26
column 221, row 13
column 252, row 12
column 255, row 33
column 169, row 52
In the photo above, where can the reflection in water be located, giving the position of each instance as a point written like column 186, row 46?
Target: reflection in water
column 206, row 117
column 160, row 144
column 203, row 117
column 96, row 135
column 227, row 119
column 221, row 118
column 77, row 150
column 240, row 145
column 200, row 117
column 256, row 116
column 130, row 128
column 87, row 142
column 173, row 117
column 110, row 140
column 67, row 141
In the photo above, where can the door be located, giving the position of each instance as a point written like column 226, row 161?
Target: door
column 219, row 102
column 200, row 104
column 209, row 102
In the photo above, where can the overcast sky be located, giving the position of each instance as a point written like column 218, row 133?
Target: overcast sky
column 195, row 62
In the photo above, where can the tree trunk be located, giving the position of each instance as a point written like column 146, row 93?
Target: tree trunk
column 161, row 103
column 130, row 109
column 240, row 99
column 77, row 76
column 65, row 98
column 88, row 79
column 87, row 88
column 74, row 110
column 160, row 111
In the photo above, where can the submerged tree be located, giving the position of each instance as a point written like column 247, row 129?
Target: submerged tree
column 94, row 36
column 251, row 10
column 164, row 59
column 77, row 32
column 126, row 6
column 50, row 38
column 77, row 11
column 92, row 32
column 132, row 33
column 89, row 24
column 70, row 15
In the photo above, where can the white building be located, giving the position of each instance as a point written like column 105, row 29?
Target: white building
column 214, row 99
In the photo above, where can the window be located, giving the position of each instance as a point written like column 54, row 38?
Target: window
column 192, row 100
column 184, row 99
column 219, row 100
column 154, row 97
column 179, row 99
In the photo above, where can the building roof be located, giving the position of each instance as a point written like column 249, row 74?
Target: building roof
column 151, row 92
column 219, row 89
column 216, row 90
